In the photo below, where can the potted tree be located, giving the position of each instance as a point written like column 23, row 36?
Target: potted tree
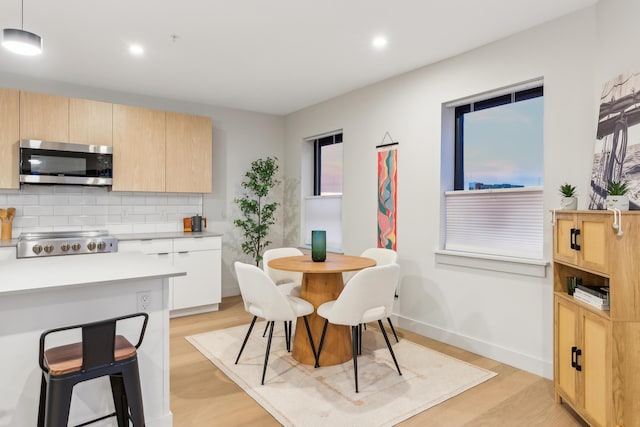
column 258, row 215
column 569, row 200
column 617, row 195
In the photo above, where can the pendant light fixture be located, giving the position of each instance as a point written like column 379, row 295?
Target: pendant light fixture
column 20, row 41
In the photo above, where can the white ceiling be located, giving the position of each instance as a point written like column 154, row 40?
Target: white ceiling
column 275, row 56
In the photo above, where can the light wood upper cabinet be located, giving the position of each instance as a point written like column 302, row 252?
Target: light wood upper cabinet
column 9, row 136
column 153, row 150
column 188, row 148
column 138, row 149
column 90, row 122
column 44, row 117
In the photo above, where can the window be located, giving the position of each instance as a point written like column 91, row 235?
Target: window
column 327, row 161
column 323, row 201
column 499, row 156
column 499, row 141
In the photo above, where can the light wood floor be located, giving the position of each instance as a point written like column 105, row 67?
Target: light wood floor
column 201, row 395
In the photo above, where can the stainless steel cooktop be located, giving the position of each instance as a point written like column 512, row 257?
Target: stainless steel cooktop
column 55, row 243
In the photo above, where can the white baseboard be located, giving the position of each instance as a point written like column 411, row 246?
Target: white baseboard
column 194, row 310
column 509, row 357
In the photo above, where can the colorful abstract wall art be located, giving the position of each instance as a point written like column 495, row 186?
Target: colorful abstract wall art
column 387, row 196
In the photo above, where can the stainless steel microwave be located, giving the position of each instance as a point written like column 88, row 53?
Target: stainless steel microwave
column 46, row 162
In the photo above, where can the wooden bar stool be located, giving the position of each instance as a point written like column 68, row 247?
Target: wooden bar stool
column 101, row 352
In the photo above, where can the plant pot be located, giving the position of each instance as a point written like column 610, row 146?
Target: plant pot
column 569, row 203
column 618, row 202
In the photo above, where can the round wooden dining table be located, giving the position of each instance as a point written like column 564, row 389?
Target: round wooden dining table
column 322, row 282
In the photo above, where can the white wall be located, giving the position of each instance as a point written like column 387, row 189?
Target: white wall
column 504, row 316
column 239, row 137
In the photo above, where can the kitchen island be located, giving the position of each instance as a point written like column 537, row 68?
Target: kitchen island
column 37, row 294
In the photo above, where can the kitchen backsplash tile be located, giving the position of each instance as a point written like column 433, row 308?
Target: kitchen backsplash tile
column 69, row 207
column 65, row 210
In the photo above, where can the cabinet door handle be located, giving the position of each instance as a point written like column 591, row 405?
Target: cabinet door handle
column 578, row 354
column 573, row 356
column 575, row 232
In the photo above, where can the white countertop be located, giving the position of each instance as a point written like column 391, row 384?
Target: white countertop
column 166, row 235
column 33, row 274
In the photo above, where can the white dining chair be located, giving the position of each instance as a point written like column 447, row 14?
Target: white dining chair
column 365, row 298
column 288, row 282
column 382, row 256
column 262, row 298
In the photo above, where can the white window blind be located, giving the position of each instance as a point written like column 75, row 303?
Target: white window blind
column 506, row 222
column 324, row 213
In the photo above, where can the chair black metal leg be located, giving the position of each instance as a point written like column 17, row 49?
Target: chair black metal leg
column 393, row 329
column 360, row 338
column 324, row 331
column 266, row 355
column 287, row 336
column 313, row 347
column 386, row 338
column 354, row 345
column 265, row 329
column 246, row 337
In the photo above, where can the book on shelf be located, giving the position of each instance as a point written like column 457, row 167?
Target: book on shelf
column 601, row 292
column 591, row 299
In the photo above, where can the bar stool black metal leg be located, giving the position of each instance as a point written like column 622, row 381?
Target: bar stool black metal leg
column 131, row 378
column 43, row 400
column 58, row 403
column 119, row 400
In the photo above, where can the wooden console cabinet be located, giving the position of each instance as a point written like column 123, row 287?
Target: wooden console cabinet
column 597, row 352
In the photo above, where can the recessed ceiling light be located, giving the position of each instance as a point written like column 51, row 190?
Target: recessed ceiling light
column 379, row 42
column 136, row 49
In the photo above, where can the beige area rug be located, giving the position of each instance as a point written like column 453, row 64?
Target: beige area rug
column 299, row 395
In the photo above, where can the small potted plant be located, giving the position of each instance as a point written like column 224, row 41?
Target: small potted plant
column 617, row 195
column 569, row 200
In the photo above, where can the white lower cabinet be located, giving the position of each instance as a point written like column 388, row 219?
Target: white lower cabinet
column 200, row 290
column 200, row 257
column 7, row 253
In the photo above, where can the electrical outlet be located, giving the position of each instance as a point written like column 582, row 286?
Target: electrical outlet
column 144, row 300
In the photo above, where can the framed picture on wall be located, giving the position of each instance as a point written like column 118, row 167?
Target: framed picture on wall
column 616, row 155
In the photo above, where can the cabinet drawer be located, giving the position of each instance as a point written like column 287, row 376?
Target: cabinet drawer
column 150, row 246
column 197, row 244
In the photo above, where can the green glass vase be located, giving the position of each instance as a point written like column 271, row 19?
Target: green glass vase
column 318, row 245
